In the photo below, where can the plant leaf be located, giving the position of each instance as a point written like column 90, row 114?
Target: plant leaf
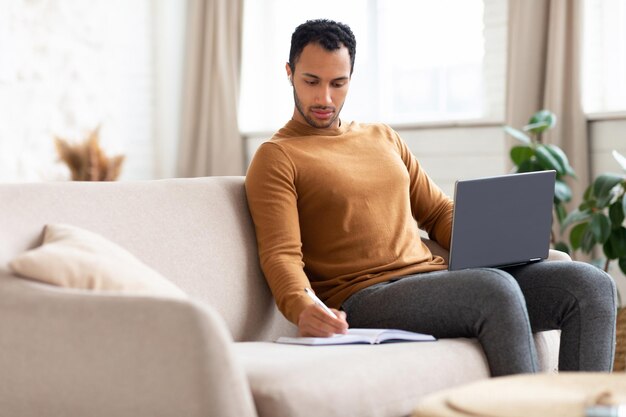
column 608, row 250
column 518, row 134
column 622, row 264
column 562, row 158
column 541, row 121
column 536, row 127
column 602, row 187
column 562, row 246
column 576, row 235
column 558, row 157
column 519, row 154
column 561, row 212
column 589, row 205
column 562, row 192
column 588, row 241
column 547, row 160
column 621, row 159
column 616, row 213
column 619, row 241
column 600, row 227
column 530, row 165
column 615, row 246
column 575, row 216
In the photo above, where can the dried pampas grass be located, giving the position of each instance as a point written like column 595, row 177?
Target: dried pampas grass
column 87, row 161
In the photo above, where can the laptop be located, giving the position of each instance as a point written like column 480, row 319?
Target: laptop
column 502, row 221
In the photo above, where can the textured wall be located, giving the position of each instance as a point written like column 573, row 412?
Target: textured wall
column 67, row 66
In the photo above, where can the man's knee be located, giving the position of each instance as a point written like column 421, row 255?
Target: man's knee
column 501, row 302
column 589, row 281
column 497, row 286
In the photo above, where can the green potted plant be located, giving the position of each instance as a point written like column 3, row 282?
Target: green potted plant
column 534, row 155
column 599, row 219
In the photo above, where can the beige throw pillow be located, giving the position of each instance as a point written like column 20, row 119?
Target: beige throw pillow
column 76, row 258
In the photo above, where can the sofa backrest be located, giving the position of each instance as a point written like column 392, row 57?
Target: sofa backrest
column 196, row 232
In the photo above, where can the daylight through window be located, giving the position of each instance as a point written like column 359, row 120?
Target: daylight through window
column 415, row 62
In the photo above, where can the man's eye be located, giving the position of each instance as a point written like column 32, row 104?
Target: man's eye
column 338, row 85
column 310, row 82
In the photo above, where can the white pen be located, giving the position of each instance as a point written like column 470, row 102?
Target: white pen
column 319, row 302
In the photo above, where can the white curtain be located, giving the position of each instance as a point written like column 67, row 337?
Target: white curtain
column 544, row 72
column 210, row 140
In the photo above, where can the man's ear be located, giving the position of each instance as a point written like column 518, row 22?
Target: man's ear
column 289, row 74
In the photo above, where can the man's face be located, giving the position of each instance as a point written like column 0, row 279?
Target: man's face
column 320, row 85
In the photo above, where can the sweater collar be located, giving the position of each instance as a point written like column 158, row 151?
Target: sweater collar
column 302, row 129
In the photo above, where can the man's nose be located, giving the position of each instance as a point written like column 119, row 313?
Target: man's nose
column 324, row 96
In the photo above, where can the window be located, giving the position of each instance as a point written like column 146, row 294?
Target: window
column 604, row 56
column 416, row 60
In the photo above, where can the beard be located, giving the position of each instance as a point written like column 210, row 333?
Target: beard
column 312, row 122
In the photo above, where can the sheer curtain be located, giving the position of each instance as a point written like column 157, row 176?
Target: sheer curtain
column 210, row 141
column 544, row 72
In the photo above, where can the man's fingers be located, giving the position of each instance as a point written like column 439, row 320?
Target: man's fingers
column 323, row 324
column 316, row 322
column 341, row 323
column 339, row 313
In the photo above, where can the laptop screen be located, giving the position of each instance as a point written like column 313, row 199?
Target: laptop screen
column 501, row 221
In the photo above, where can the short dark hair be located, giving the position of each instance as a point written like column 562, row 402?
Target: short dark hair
column 327, row 33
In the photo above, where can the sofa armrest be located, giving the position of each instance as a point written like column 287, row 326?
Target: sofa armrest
column 68, row 352
column 557, row 255
column 436, row 249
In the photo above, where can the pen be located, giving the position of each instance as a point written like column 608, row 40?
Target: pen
column 319, row 302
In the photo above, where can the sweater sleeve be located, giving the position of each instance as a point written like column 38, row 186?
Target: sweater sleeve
column 430, row 206
column 272, row 199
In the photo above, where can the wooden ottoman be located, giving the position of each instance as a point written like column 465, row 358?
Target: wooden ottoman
column 550, row 395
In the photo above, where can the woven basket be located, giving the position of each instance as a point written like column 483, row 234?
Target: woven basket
column 620, row 337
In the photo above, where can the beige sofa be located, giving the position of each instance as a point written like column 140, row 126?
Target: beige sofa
column 67, row 352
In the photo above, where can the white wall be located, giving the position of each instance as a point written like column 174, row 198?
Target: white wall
column 69, row 66
column 169, row 53
column 606, row 135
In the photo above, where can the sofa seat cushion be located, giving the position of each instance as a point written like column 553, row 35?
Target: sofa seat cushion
column 355, row 380
column 365, row 380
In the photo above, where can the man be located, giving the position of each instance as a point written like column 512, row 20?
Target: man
column 337, row 206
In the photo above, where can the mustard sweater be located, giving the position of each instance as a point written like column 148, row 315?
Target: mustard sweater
column 336, row 210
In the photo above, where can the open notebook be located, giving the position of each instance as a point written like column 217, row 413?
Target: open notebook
column 360, row 336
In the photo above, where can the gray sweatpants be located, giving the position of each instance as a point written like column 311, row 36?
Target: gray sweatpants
column 501, row 308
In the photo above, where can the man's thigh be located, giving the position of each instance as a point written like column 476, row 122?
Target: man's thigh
column 553, row 290
column 442, row 303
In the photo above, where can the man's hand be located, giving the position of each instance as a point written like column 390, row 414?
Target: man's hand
column 315, row 322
